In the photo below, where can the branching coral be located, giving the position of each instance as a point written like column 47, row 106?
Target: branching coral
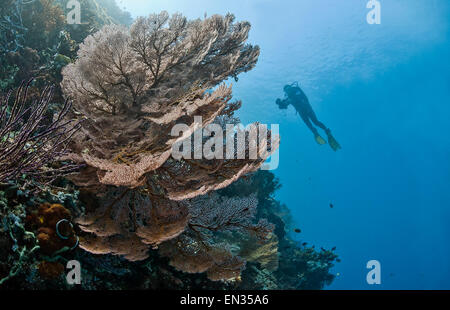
column 196, row 250
column 11, row 25
column 29, row 142
column 216, row 213
column 18, row 244
column 129, row 222
column 265, row 254
column 133, row 86
column 190, row 254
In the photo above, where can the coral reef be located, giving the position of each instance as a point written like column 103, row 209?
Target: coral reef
column 132, row 87
column 50, row 270
column 219, row 255
column 21, row 217
column 188, row 254
column 27, row 138
column 137, row 222
column 204, row 248
column 54, row 231
column 18, row 245
column 11, row 25
column 216, row 213
column 36, row 41
column 127, row 88
column 144, row 220
column 128, row 223
column 298, row 266
column 265, row 254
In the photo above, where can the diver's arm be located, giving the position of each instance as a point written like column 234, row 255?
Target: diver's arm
column 287, row 100
column 282, row 104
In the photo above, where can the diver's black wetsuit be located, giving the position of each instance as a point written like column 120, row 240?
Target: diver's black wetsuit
column 298, row 99
column 300, row 102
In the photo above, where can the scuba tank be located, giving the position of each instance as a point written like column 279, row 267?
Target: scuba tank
column 292, row 89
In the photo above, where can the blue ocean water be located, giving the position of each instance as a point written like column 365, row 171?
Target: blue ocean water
column 384, row 90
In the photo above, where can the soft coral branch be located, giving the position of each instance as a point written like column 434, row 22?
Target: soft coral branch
column 30, row 143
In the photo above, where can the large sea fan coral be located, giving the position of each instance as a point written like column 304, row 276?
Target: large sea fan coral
column 131, row 87
column 128, row 222
column 189, row 254
column 203, row 248
column 216, row 213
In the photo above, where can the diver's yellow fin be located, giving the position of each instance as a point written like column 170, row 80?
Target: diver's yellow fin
column 320, row 140
column 332, row 142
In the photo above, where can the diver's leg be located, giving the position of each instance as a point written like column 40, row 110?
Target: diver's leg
column 331, row 140
column 313, row 117
column 306, row 120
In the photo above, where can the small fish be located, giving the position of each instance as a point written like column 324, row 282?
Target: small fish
column 297, row 230
column 338, row 260
column 333, row 249
column 304, row 243
column 331, row 206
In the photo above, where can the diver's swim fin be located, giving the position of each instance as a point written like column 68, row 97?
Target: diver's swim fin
column 332, row 141
column 320, row 140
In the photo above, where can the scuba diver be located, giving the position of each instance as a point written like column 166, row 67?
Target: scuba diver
column 298, row 99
